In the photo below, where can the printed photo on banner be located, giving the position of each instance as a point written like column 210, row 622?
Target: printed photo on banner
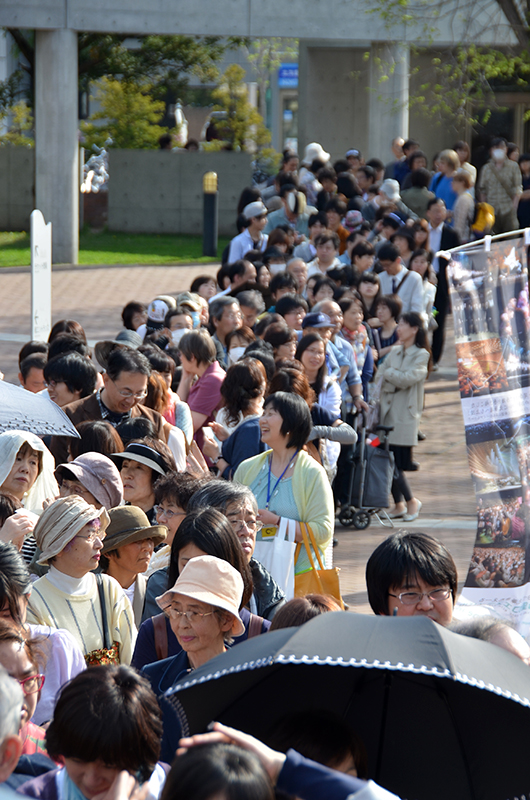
column 481, row 369
column 494, row 465
column 496, row 568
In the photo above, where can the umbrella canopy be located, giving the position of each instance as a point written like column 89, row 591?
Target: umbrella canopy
column 442, row 715
column 21, row 410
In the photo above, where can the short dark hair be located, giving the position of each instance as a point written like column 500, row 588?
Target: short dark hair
column 67, row 326
column 126, row 359
column 327, row 173
column 497, row 141
column 135, row 428
column 273, row 253
column 78, row 372
column 290, row 302
column 262, row 352
column 158, row 359
column 80, row 725
column 283, row 280
column 362, row 248
column 296, row 419
column 176, row 312
column 392, row 302
column 96, row 436
column 435, row 201
column 300, row 610
column 388, row 252
column 420, row 177
column 391, row 222
column 278, row 333
column 238, row 267
column 128, row 312
column 15, row 581
column 220, row 770
column 210, row 531
column 324, row 238
column 410, row 143
column 199, row 344
column 31, row 347
column 177, row 487
column 369, row 172
column 319, row 217
column 67, row 343
column 200, row 281
column 400, row 558
column 245, row 381
column 324, row 281
column 339, row 206
column 33, row 361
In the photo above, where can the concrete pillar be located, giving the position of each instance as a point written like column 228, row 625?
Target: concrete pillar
column 56, row 143
column 389, row 96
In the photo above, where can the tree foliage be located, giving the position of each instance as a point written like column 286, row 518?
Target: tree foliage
column 460, row 80
column 21, row 124
column 129, row 116
column 242, row 124
column 266, row 55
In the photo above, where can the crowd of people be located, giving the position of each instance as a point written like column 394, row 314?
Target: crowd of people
column 218, row 421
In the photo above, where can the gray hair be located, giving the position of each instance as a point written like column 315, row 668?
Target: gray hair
column 484, row 628
column 317, row 308
column 220, row 494
column 252, row 299
column 11, row 699
column 218, row 306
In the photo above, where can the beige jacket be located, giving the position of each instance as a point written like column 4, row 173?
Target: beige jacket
column 403, row 375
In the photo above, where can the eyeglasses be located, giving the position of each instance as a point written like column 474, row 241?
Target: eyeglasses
column 128, row 394
column 52, row 384
column 253, row 525
column 32, row 684
column 165, row 512
column 412, row 598
column 92, row 537
column 191, row 616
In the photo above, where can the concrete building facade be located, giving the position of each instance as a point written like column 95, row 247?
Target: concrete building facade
column 346, row 25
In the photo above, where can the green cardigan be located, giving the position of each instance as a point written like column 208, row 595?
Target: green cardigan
column 311, row 490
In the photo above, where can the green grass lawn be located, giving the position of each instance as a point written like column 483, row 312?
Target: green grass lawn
column 116, row 248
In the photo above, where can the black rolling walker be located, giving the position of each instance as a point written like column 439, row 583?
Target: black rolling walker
column 370, row 481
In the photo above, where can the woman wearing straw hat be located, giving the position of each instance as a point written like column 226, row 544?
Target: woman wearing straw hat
column 127, row 550
column 203, row 610
column 92, row 608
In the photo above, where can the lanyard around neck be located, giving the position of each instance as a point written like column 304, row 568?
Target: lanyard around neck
column 269, row 493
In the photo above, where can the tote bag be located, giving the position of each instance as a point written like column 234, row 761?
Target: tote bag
column 276, row 552
column 316, row 581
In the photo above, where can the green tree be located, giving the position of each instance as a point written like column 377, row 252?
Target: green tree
column 241, row 124
column 459, row 81
column 266, row 55
column 21, row 125
column 129, row 116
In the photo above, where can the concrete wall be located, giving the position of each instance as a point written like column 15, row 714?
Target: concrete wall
column 152, row 191
column 333, row 20
column 17, row 187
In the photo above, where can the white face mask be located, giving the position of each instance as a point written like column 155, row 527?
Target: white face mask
column 235, row 353
column 498, row 154
column 275, row 268
column 176, row 336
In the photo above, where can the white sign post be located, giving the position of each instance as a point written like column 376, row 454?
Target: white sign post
column 41, row 277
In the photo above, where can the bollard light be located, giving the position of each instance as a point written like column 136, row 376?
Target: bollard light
column 210, row 214
column 209, row 183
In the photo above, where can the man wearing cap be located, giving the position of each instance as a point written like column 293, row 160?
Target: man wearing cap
column 94, row 477
column 127, row 551
column 354, row 159
column 252, row 238
column 94, row 609
column 124, row 387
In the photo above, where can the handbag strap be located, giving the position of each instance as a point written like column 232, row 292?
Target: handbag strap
column 306, row 534
column 254, row 626
column 501, row 181
column 107, row 644
column 160, row 631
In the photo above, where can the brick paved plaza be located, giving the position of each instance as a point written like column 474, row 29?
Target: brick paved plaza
column 95, row 296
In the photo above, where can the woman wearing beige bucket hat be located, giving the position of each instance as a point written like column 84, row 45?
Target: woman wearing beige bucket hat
column 203, row 610
column 92, row 608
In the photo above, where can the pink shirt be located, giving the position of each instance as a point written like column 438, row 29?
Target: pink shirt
column 205, row 396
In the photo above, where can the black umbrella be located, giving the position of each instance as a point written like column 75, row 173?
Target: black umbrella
column 443, row 716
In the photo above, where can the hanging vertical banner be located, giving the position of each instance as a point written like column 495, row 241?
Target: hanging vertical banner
column 489, row 293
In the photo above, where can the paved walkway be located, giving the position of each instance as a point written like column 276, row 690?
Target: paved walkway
column 95, row 296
